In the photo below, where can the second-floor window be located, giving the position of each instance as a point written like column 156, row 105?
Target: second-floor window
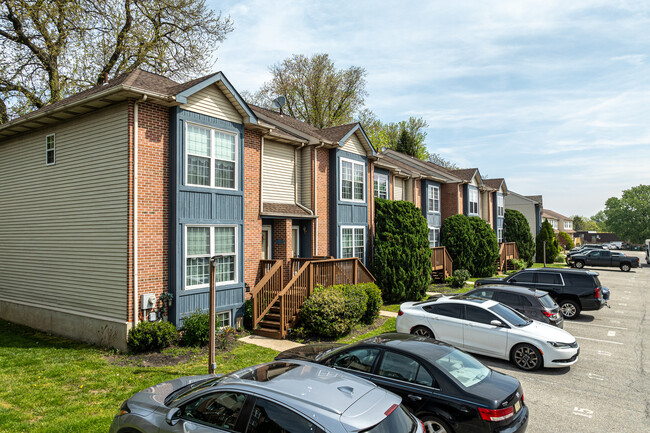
column 500, row 208
column 211, row 157
column 434, row 199
column 50, row 150
column 553, row 223
column 568, row 225
column 473, row 201
column 352, row 180
column 381, row 186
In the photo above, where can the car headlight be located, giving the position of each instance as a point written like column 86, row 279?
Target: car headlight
column 124, row 409
column 557, row 344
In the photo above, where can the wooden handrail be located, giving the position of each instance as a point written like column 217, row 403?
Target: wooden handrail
column 294, row 295
column 364, row 275
column 265, row 293
column 441, row 261
column 507, row 251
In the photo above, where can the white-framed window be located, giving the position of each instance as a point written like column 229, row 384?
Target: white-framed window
column 553, row 223
column 223, row 319
column 499, row 235
column 473, row 201
column 210, row 157
column 500, row 207
column 433, row 199
column 434, row 236
column 50, row 149
column 203, row 242
column 353, row 242
column 568, row 225
column 381, row 186
column 353, row 180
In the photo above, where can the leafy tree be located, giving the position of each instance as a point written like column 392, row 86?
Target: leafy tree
column 486, row 252
column 629, row 216
column 52, row 49
column 516, row 229
column 406, row 144
column 600, row 219
column 316, row 92
column 565, row 241
column 443, row 162
column 546, row 234
column 402, row 262
column 584, row 223
column 458, row 236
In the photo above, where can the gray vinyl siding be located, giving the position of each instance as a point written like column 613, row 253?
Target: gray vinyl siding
column 64, row 227
column 278, row 173
column 305, row 177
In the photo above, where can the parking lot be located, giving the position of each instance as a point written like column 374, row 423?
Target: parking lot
column 608, row 389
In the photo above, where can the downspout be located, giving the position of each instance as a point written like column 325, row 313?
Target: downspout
column 135, row 209
column 316, row 195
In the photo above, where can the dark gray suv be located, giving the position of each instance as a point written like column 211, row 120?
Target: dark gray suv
column 574, row 290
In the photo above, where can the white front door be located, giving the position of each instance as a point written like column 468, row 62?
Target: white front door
column 295, row 241
column 266, row 243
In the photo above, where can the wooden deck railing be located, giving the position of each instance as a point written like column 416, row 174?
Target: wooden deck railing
column 297, row 262
column 507, row 251
column 266, row 292
column 294, row 295
column 441, row 261
column 265, row 266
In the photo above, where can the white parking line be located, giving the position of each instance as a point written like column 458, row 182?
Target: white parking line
column 601, row 341
column 624, row 305
column 615, row 321
column 596, row 376
column 604, row 353
column 599, row 326
column 583, row 412
column 611, row 333
column 619, row 312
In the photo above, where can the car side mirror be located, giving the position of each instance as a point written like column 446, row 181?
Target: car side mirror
column 173, row 416
column 497, row 323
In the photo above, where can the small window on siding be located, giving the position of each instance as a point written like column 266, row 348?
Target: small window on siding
column 381, row 186
column 223, row 320
column 50, row 150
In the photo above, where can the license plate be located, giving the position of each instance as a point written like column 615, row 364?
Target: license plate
column 517, row 406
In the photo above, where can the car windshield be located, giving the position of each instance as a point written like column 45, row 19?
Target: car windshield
column 511, row 316
column 464, row 368
column 398, row 421
column 547, row 301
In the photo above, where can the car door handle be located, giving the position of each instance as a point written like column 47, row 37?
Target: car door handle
column 415, row 397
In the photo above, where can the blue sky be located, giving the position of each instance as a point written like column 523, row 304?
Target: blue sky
column 553, row 96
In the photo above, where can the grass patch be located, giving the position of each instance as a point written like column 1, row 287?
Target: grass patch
column 387, row 326
column 53, row 384
column 391, row 307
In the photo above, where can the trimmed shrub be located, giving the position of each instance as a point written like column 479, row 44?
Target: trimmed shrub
column 565, row 241
column 151, row 336
column 196, row 329
column 402, row 263
column 516, row 229
column 356, row 301
column 457, row 235
column 546, row 234
column 374, row 302
column 458, row 279
column 486, row 251
column 323, row 313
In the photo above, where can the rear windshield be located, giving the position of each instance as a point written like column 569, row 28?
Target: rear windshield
column 464, row 368
column 547, row 301
column 399, row 421
column 597, row 282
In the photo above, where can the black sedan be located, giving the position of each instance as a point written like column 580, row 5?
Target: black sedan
column 449, row 390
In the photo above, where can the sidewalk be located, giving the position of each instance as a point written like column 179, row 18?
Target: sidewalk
column 270, row 343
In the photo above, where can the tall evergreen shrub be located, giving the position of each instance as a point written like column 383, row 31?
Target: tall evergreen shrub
column 458, row 236
column 487, row 248
column 402, row 264
column 516, row 229
column 546, row 234
column 565, row 240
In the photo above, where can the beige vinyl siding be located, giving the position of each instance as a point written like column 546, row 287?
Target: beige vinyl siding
column 353, row 145
column 398, row 194
column 305, row 177
column 408, row 190
column 63, row 228
column 212, row 102
column 278, row 173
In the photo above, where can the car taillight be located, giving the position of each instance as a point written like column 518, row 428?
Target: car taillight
column 522, row 397
column 400, row 312
column 546, row 313
column 496, row 414
column 597, row 292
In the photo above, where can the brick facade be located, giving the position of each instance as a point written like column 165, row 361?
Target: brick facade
column 282, row 246
column 322, row 200
column 451, row 199
column 252, row 218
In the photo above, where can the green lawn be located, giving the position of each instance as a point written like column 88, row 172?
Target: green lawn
column 50, row 384
column 388, row 326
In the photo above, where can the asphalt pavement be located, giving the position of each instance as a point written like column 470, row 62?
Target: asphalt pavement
column 608, row 389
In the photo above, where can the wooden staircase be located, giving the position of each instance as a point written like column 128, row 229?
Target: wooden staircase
column 507, row 251
column 276, row 308
column 441, row 264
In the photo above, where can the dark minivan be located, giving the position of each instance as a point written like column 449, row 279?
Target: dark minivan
column 574, row 290
column 536, row 304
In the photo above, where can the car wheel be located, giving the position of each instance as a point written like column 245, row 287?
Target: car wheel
column 433, row 424
column 625, row 267
column 579, row 264
column 570, row 309
column 422, row 331
column 527, row 357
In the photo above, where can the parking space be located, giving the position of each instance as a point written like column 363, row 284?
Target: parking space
column 608, row 389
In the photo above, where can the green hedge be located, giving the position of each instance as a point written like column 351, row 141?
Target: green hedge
column 402, row 257
column 151, row 336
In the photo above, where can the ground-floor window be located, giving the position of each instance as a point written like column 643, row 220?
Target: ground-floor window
column 499, row 235
column 434, row 236
column 203, row 242
column 353, row 242
column 223, row 319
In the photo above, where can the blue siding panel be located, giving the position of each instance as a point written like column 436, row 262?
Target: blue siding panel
column 229, row 208
column 195, row 205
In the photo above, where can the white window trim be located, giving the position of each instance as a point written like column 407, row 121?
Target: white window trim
column 269, row 247
column 295, row 231
column 53, row 149
column 353, row 162
column 229, row 318
column 363, row 259
column 212, row 129
column 470, row 192
column 500, row 206
column 221, row 283
column 499, row 235
column 431, row 199
column 379, row 177
column 436, row 237
column 568, row 225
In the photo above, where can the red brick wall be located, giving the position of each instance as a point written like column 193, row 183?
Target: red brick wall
column 451, row 195
column 282, row 246
column 322, row 200
column 153, row 200
column 252, row 219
